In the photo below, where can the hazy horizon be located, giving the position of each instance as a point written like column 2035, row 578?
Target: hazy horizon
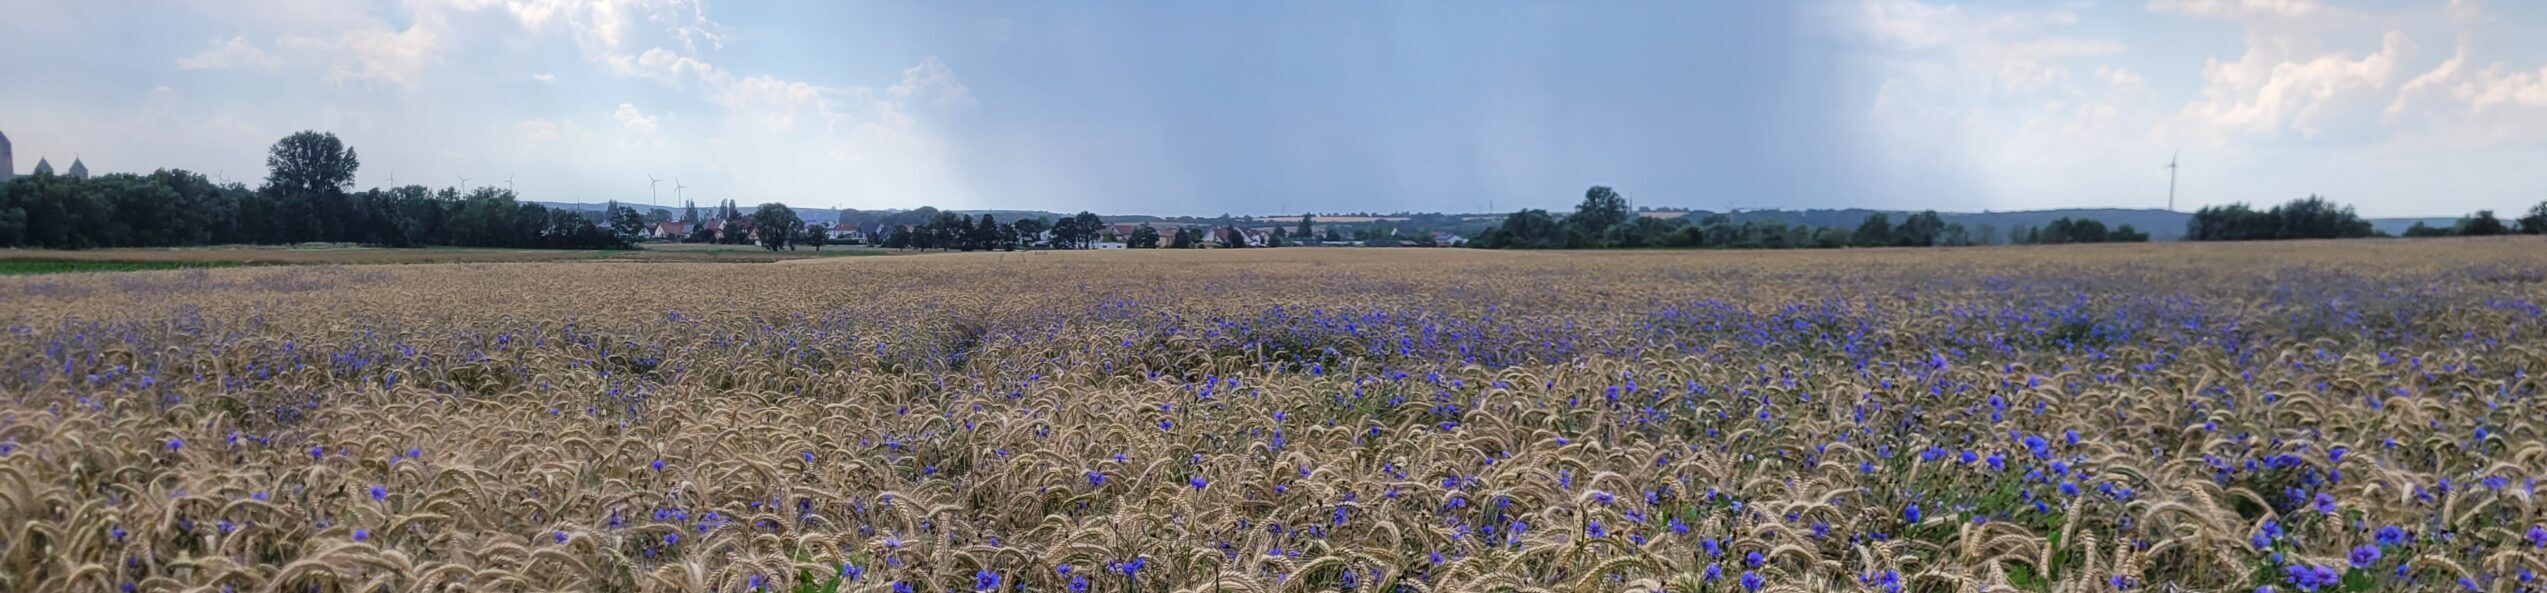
column 2427, row 108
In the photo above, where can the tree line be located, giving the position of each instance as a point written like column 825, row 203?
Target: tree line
column 307, row 196
column 943, row 230
column 930, row 228
column 1603, row 221
column 2314, row 217
column 2482, row 223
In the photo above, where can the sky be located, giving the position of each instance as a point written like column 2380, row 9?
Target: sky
column 2399, row 107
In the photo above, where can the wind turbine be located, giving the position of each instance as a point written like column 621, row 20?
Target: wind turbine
column 651, row 196
column 508, row 183
column 2171, row 180
column 676, row 189
column 393, row 179
column 464, row 183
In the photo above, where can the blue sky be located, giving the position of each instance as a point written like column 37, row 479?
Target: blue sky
column 2401, row 107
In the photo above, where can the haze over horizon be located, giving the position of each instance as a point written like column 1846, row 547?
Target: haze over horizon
column 2400, row 108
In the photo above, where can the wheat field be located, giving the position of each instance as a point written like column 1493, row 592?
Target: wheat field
column 2305, row 416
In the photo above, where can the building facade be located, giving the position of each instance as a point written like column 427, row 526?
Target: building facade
column 8, row 161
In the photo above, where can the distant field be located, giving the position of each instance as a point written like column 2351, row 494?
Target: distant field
column 41, row 261
column 22, row 267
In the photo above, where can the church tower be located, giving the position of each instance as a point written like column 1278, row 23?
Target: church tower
column 78, row 170
column 8, row 162
column 43, row 167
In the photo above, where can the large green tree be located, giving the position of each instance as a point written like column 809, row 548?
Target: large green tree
column 1089, row 228
column 2482, row 224
column 1875, row 231
column 776, row 223
column 1920, row 230
column 311, row 162
column 1601, row 209
column 1028, row 230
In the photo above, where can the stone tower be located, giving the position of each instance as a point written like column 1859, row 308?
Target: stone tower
column 78, row 170
column 8, row 162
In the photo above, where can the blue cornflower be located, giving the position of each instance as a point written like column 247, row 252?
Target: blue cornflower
column 379, row 492
column 984, row 580
column 1197, row 482
column 2364, row 555
column 175, row 443
column 1910, row 513
column 362, row 535
column 2325, row 503
column 1751, row 581
column 2392, row 536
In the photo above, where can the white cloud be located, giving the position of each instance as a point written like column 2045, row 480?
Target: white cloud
column 638, row 127
column 2016, row 52
column 664, row 65
column 931, row 81
column 2267, row 92
column 596, row 24
column 774, row 102
column 2498, row 87
column 2029, row 66
column 2237, row 8
column 542, row 132
column 2120, row 78
column 235, row 53
column 544, row 77
column 2316, row 97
